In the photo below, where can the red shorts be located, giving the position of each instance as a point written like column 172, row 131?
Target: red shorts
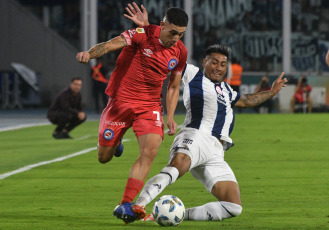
column 119, row 116
column 299, row 97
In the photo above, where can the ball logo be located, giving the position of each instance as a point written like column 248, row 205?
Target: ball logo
column 108, row 134
column 172, row 64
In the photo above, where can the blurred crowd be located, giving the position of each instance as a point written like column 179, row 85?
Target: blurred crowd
column 213, row 21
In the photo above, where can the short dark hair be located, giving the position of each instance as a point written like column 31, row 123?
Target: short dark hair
column 76, row 79
column 218, row 48
column 177, row 16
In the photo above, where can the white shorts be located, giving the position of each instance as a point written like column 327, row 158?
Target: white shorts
column 207, row 156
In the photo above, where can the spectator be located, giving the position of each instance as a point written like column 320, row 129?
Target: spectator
column 234, row 78
column 264, row 85
column 302, row 95
column 66, row 110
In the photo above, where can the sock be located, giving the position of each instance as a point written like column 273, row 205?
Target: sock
column 213, row 211
column 156, row 185
column 133, row 187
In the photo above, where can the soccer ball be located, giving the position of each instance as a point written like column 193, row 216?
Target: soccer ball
column 168, row 211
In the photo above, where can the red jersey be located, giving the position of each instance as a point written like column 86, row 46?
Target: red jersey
column 143, row 65
column 299, row 95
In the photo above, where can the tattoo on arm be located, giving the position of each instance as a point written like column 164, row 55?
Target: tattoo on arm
column 98, row 50
column 250, row 100
column 119, row 42
column 106, row 47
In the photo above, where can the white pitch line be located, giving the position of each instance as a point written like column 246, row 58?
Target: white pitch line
column 24, row 126
column 28, row 167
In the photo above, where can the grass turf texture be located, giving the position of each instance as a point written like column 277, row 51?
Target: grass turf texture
column 280, row 161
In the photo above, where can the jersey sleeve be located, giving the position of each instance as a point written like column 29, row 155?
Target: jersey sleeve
column 189, row 73
column 234, row 95
column 134, row 36
column 181, row 62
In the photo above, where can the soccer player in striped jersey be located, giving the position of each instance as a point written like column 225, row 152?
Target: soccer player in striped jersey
column 200, row 145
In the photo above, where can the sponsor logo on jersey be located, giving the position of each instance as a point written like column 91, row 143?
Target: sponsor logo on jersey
column 221, row 99
column 147, row 52
column 220, row 96
column 131, row 33
column 187, row 141
column 219, row 90
column 158, row 123
column 115, row 123
column 108, row 134
column 140, row 30
column 172, row 63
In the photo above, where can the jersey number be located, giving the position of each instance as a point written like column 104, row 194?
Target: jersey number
column 158, row 114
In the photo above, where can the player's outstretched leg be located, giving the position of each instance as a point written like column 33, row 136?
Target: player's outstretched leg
column 129, row 212
column 119, row 150
column 218, row 210
column 125, row 213
column 139, row 211
column 148, row 217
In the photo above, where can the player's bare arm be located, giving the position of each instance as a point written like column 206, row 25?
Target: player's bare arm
column 299, row 84
column 327, row 58
column 251, row 100
column 138, row 16
column 102, row 49
column 171, row 101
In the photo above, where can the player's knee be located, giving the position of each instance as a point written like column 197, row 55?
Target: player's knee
column 104, row 155
column 232, row 208
column 182, row 162
column 149, row 153
column 103, row 158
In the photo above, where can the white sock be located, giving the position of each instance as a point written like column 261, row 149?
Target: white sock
column 156, row 185
column 213, row 211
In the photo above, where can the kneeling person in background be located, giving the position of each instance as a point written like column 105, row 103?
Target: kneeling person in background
column 66, row 111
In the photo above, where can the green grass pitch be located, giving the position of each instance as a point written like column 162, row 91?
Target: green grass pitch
column 281, row 162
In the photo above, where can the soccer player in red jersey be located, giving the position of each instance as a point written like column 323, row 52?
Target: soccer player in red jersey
column 148, row 54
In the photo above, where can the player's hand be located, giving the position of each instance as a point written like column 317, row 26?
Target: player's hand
column 279, row 83
column 139, row 17
column 172, row 126
column 83, row 57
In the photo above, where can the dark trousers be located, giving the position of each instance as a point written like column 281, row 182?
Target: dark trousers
column 64, row 120
column 99, row 91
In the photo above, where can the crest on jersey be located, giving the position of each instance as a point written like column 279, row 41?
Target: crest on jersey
column 140, row 30
column 108, row 134
column 172, row 63
column 219, row 90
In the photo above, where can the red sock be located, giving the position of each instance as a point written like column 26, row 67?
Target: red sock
column 133, row 187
